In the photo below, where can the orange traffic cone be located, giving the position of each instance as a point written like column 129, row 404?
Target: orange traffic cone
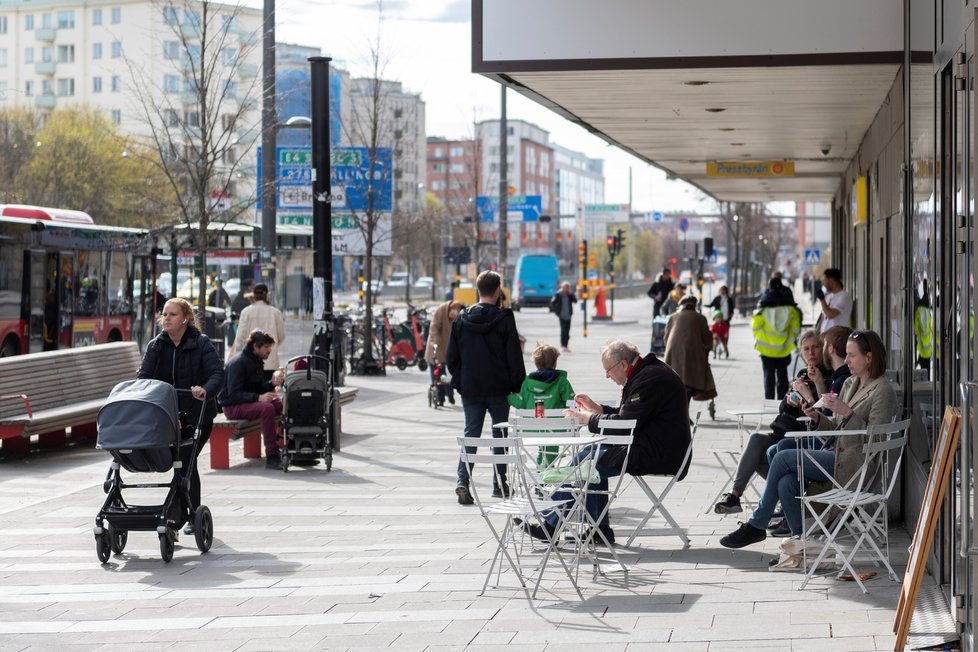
column 600, row 308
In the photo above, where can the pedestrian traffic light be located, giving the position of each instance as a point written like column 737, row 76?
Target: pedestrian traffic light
column 621, row 241
column 612, row 245
column 708, row 247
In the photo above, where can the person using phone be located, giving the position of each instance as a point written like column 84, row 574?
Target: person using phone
column 836, row 303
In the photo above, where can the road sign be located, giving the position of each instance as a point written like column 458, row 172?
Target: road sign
column 656, row 216
column 813, row 256
column 605, row 213
column 684, row 224
column 524, row 208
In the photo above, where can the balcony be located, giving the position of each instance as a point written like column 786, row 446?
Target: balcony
column 248, row 70
column 44, row 67
column 190, row 30
column 248, row 38
column 46, row 101
column 189, row 97
column 45, row 34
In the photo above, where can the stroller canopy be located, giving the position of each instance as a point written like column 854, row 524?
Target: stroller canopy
column 139, row 414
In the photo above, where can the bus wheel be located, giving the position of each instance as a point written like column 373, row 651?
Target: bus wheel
column 9, row 348
column 115, row 336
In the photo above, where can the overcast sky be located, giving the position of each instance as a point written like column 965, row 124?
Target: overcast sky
column 428, row 43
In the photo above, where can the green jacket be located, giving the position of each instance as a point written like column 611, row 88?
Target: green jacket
column 551, row 385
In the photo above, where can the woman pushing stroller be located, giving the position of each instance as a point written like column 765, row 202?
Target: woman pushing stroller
column 184, row 357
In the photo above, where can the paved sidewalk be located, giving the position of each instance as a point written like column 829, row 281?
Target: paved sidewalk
column 377, row 554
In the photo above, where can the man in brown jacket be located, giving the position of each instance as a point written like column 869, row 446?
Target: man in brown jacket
column 438, row 334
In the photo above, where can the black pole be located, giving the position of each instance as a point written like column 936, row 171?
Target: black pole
column 322, row 213
column 503, row 184
column 269, row 125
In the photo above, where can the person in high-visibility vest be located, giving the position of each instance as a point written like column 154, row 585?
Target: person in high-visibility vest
column 923, row 327
column 775, row 326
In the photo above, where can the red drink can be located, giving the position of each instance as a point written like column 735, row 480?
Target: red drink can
column 538, row 409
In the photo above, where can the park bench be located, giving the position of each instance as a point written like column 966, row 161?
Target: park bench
column 227, row 430
column 47, row 393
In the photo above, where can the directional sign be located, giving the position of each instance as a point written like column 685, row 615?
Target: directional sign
column 605, row 213
column 526, row 208
column 813, row 257
column 684, row 224
column 750, row 169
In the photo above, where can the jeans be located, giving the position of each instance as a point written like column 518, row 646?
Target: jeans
column 595, row 502
column 812, row 443
column 564, row 332
column 782, row 483
column 266, row 413
column 775, row 369
column 474, row 408
column 752, row 460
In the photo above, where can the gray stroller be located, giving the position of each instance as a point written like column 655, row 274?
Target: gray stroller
column 308, row 414
column 140, row 426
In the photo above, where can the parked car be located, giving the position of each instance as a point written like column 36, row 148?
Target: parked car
column 424, row 282
column 399, row 280
column 376, row 285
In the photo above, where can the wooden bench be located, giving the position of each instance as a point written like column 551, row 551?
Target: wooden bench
column 46, row 393
column 227, row 430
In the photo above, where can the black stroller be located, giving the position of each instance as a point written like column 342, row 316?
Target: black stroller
column 139, row 425
column 308, row 409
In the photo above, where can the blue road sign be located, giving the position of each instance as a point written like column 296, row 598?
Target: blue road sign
column 531, row 206
column 656, row 216
column 813, row 256
column 684, row 224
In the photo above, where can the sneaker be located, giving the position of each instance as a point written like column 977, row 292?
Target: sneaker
column 273, row 462
column 781, row 531
column 745, row 535
column 777, row 515
column 505, row 492
column 608, row 533
column 730, row 504
column 464, row 497
column 543, row 532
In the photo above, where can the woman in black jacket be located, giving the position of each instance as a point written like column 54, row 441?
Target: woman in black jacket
column 184, row 357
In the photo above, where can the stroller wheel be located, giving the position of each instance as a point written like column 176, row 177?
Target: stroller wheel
column 166, row 546
column 329, row 461
column 713, row 410
column 422, row 364
column 203, row 528
column 103, row 546
column 118, row 539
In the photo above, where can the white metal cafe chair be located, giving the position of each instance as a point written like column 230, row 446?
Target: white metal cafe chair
column 729, row 460
column 855, row 512
column 521, row 504
column 657, row 501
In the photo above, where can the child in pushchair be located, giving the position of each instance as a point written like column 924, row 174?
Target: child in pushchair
column 721, row 334
column 440, row 386
column 139, row 425
column 308, row 427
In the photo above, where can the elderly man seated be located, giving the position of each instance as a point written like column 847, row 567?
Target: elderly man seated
column 655, row 397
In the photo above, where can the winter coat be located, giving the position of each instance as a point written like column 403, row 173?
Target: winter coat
column 688, row 343
column 557, row 307
column 483, row 355
column 549, row 385
column 724, row 304
column 438, row 333
column 655, row 397
column 264, row 317
column 872, row 404
column 193, row 363
column 660, row 289
column 245, row 380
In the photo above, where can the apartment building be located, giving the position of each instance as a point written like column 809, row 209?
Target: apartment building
column 579, row 180
column 529, row 162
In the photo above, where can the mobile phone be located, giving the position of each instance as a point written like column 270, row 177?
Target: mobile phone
column 794, row 396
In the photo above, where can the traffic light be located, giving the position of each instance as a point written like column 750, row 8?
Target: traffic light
column 612, row 245
column 621, row 241
column 708, row 247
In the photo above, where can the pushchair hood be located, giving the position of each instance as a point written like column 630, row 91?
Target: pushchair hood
column 139, row 414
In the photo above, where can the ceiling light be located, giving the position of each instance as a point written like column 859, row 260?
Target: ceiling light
column 696, row 82
column 715, row 109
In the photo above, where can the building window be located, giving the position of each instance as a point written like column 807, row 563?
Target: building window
column 47, row 54
column 66, row 87
column 29, row 22
column 96, row 84
column 66, row 53
column 117, row 116
column 3, row 24
column 439, row 152
column 116, row 83
column 46, row 87
column 116, row 49
column 171, row 50
column 228, row 55
column 232, row 89
column 29, row 88
column 96, row 50
column 191, row 118
column 28, row 55
column 230, row 23
column 46, row 21
column 116, row 15
column 3, row 57
column 437, row 185
column 172, row 119
column 170, row 16
column 457, row 168
column 96, row 16
column 171, row 84
column 66, row 19
column 191, row 17
column 456, row 152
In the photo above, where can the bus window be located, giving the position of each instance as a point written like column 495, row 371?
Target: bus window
column 118, row 286
column 11, row 277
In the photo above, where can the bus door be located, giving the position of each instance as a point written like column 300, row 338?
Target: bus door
column 40, row 310
column 65, row 283
column 144, row 299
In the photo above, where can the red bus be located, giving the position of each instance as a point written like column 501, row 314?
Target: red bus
column 66, row 281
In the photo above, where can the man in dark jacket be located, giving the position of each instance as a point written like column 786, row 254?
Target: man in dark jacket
column 652, row 394
column 248, row 396
column 660, row 290
column 562, row 305
column 486, row 365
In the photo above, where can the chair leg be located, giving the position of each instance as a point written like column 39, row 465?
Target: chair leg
column 658, row 506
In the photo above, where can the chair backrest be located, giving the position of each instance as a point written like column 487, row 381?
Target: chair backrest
column 882, row 443
column 617, row 432
column 528, row 426
column 555, row 413
column 771, row 405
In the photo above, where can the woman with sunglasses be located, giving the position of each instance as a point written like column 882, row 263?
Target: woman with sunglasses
column 866, row 399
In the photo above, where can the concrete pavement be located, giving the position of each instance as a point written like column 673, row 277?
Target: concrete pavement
column 378, row 554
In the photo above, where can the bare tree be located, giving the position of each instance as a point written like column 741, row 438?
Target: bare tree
column 201, row 115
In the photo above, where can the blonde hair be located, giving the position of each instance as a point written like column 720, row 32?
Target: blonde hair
column 186, row 309
column 545, row 356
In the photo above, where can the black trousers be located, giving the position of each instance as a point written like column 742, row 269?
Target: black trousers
column 185, row 457
column 775, row 371
column 564, row 332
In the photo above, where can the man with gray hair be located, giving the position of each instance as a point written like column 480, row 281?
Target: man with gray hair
column 652, row 394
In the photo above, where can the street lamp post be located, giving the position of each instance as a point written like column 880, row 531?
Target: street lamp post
column 322, row 214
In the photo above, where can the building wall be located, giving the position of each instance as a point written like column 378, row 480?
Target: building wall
column 453, row 174
column 579, row 180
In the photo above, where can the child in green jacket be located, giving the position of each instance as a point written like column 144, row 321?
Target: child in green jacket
column 548, row 384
